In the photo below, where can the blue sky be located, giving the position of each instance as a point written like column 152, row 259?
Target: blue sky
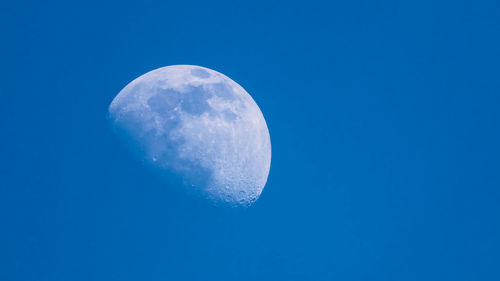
column 383, row 117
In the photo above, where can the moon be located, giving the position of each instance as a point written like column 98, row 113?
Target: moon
column 199, row 129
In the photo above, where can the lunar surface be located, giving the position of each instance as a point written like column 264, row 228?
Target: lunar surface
column 199, row 129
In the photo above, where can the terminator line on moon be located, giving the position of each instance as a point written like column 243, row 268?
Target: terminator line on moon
column 199, row 129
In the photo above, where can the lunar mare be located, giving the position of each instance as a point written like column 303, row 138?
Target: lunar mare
column 200, row 129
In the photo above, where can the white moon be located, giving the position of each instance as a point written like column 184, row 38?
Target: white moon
column 200, row 129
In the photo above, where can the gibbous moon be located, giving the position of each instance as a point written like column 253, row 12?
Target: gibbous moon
column 199, row 129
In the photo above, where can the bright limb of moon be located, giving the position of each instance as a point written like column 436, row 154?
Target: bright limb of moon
column 200, row 129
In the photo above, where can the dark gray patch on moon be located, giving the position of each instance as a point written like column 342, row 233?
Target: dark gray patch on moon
column 223, row 91
column 164, row 101
column 200, row 73
column 195, row 101
column 229, row 115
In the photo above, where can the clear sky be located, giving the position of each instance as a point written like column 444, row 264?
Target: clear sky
column 384, row 123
